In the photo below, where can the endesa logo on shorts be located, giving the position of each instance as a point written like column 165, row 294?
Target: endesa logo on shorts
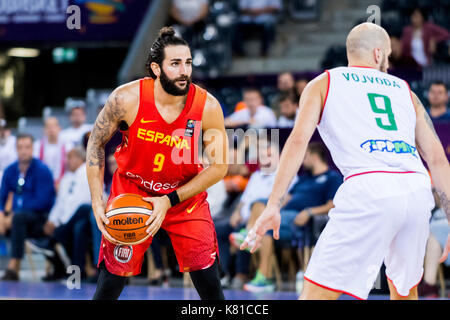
column 123, row 253
column 152, row 185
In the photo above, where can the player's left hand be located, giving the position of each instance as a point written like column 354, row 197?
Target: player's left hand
column 446, row 251
column 160, row 207
column 269, row 219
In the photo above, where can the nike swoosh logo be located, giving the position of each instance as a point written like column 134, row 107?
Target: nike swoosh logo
column 192, row 208
column 147, row 121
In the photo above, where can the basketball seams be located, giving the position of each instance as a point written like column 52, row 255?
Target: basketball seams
column 131, row 210
column 108, row 227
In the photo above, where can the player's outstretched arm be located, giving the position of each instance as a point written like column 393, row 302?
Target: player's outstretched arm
column 432, row 152
column 310, row 107
column 106, row 124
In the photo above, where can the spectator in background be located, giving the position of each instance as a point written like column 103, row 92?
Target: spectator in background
column 300, row 85
column 311, row 196
column 8, row 153
column 73, row 136
column 288, row 103
column 51, row 150
column 438, row 99
column 285, row 83
column 260, row 15
column 68, row 221
column 31, row 183
column 189, row 16
column 237, row 176
column 259, row 186
column 398, row 59
column 420, row 39
column 439, row 230
column 255, row 115
column 217, row 193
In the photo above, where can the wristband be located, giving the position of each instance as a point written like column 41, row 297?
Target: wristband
column 309, row 212
column 173, row 197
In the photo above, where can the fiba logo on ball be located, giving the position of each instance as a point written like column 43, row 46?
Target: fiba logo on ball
column 123, row 253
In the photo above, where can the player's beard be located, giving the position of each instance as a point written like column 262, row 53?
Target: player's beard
column 170, row 85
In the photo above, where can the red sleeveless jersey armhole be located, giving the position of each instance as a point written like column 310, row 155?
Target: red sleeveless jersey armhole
column 198, row 102
column 145, row 91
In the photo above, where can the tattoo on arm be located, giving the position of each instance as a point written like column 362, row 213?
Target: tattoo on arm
column 445, row 202
column 282, row 201
column 105, row 126
column 430, row 123
column 426, row 116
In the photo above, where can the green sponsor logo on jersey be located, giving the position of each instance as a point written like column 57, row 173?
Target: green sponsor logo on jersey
column 398, row 147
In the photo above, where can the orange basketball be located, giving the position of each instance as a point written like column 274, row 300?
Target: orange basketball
column 127, row 214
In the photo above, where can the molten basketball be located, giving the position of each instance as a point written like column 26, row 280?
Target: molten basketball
column 127, row 214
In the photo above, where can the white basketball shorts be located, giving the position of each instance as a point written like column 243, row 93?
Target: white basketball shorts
column 377, row 216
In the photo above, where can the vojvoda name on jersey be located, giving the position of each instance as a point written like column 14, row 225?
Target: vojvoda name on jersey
column 364, row 78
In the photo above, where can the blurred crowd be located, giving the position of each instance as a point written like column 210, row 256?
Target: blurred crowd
column 420, row 42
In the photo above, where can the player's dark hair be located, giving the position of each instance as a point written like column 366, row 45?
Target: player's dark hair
column 439, row 83
column 423, row 12
column 165, row 38
column 25, row 135
column 319, row 149
column 252, row 89
column 289, row 95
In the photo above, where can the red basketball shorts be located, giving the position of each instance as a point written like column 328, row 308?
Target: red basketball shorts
column 191, row 231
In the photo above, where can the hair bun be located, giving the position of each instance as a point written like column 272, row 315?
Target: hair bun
column 166, row 32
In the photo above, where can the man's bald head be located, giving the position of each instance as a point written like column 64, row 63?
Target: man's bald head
column 370, row 44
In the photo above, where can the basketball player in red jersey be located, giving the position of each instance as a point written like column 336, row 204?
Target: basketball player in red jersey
column 161, row 118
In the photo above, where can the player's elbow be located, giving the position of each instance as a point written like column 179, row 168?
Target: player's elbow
column 218, row 171
column 435, row 158
column 222, row 170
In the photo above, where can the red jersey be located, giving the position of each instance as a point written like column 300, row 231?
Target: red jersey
column 156, row 157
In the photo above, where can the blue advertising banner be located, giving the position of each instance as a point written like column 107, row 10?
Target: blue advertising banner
column 25, row 21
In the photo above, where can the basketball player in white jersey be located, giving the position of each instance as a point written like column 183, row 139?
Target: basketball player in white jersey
column 374, row 127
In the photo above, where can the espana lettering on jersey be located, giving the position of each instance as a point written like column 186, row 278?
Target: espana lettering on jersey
column 161, row 138
column 368, row 79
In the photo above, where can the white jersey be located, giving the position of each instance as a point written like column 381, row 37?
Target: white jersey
column 368, row 122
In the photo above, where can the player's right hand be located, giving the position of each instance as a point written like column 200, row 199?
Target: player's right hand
column 102, row 220
column 269, row 220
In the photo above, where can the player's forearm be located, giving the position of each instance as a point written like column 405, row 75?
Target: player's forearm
column 95, row 168
column 202, row 181
column 95, row 180
column 290, row 161
column 440, row 174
